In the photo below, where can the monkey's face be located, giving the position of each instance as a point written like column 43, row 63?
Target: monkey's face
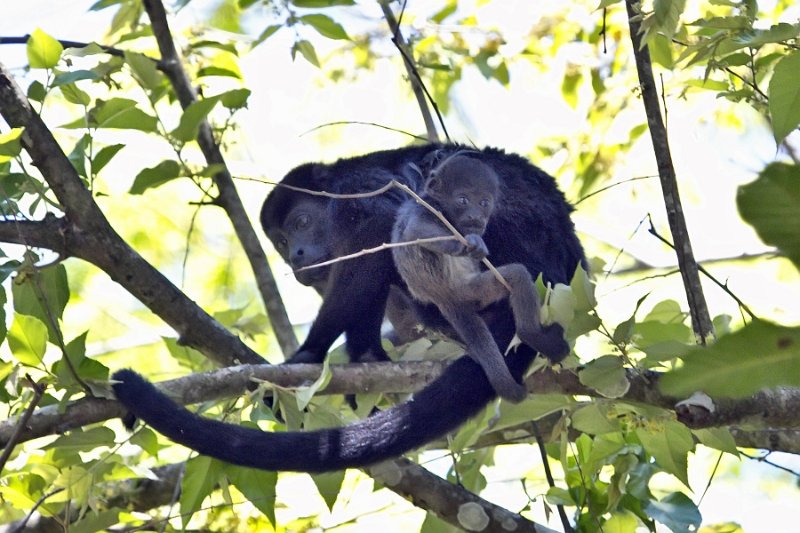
column 302, row 240
column 469, row 210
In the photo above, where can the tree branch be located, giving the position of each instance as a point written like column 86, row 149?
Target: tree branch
column 701, row 319
column 89, row 236
column 453, row 504
column 228, row 198
column 773, row 409
column 417, row 86
column 47, row 233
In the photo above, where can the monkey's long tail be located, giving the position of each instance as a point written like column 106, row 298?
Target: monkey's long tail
column 458, row 394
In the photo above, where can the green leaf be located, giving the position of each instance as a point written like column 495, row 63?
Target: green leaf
column 326, row 26
column 323, row 3
column 559, row 496
column 303, row 395
column 268, row 32
column 95, row 521
column 10, row 145
column 156, row 176
column 717, row 438
column 120, row 113
column 606, row 375
column 105, row 155
column 43, row 51
column 676, row 511
column 569, row 87
column 258, row 486
column 778, row 33
column 145, row 71
column 534, row 407
column 661, row 51
column 146, row 439
column 307, row 50
column 771, row 204
column 329, row 485
column 27, row 339
column 784, row 96
column 78, row 155
column 72, row 77
column 757, row 356
column 201, row 476
column 592, row 419
column 192, row 117
column 667, row 15
column 621, row 522
column 669, row 445
column 83, row 440
column 235, row 99
column 36, row 91
column 52, row 281
column 74, row 95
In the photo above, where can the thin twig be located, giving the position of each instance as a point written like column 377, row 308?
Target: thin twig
column 384, row 246
column 652, row 230
column 21, row 525
column 611, row 186
column 562, row 514
column 362, row 123
column 38, row 392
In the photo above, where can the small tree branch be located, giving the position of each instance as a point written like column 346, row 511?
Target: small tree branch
column 47, row 233
column 110, row 50
column 417, row 85
column 701, row 319
column 228, row 198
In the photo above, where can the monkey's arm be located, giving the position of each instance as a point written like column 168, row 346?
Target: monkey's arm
column 421, row 226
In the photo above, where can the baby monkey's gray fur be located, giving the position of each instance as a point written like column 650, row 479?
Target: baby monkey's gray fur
column 448, row 273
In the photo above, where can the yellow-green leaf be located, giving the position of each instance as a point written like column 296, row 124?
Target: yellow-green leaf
column 784, row 96
column 27, row 339
column 43, row 50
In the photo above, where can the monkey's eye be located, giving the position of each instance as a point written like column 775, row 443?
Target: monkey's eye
column 462, row 200
column 302, row 222
column 282, row 243
column 485, row 202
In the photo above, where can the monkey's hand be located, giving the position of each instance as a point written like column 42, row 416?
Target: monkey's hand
column 475, row 247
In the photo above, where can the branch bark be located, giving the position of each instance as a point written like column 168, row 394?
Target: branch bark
column 701, row 319
column 228, row 197
column 773, row 410
column 89, row 236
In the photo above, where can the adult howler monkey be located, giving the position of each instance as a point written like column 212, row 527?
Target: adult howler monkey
column 447, row 272
column 531, row 226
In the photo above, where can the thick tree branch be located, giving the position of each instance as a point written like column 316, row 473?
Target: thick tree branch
column 88, row 235
column 46, row 233
column 774, row 409
column 701, row 319
column 228, row 197
column 449, row 502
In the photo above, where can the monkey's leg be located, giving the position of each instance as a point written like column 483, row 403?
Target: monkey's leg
column 525, row 304
column 482, row 348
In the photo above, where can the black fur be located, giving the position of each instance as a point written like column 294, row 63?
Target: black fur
column 532, row 227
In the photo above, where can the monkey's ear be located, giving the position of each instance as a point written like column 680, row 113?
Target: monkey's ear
column 434, row 183
column 412, row 173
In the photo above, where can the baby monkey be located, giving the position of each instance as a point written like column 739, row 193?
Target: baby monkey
column 447, row 273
